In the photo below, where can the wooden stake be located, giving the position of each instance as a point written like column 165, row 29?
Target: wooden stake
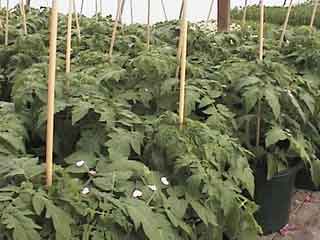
column 122, row 9
column 244, row 18
column 131, row 11
column 285, row 24
column 180, row 44
column 210, row 12
column 23, row 15
column 51, row 89
column 77, row 20
column 164, row 10
column 69, row 32
column 261, row 30
column 148, row 27
column 223, row 15
column 183, row 65
column 261, row 59
column 114, row 31
column 101, row 7
column 314, row 13
column 6, row 37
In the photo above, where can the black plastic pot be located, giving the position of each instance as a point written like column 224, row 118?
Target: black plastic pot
column 304, row 180
column 274, row 198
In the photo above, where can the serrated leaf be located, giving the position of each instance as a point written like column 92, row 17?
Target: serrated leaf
column 275, row 135
column 273, row 101
column 80, row 111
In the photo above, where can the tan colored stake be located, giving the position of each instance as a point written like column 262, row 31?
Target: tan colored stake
column 244, row 18
column 51, row 89
column 261, row 59
column 6, row 37
column 314, row 13
column 101, row 7
column 131, row 11
column 180, row 44
column 285, row 25
column 114, row 31
column 210, row 11
column 77, row 19
column 69, row 32
column 148, row 26
column 183, row 66
column 23, row 15
column 261, row 42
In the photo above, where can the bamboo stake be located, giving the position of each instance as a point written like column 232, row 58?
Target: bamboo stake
column 101, row 7
column 69, row 32
column 164, row 10
column 285, row 25
column 6, row 38
column 261, row 59
column 51, row 87
column 314, row 13
column 114, row 31
column 244, row 18
column 148, row 27
column 261, row 30
column 210, row 12
column 179, row 50
column 77, row 19
column 183, row 66
column 23, row 15
column 131, row 11
column 122, row 9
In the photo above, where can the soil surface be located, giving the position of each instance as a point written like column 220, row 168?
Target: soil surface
column 304, row 219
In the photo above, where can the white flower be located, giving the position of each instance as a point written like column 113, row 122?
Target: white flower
column 152, row 187
column 85, row 191
column 137, row 193
column 165, row 181
column 80, row 163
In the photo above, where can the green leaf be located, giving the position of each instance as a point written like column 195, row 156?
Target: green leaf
column 251, row 97
column 275, row 135
column 80, row 111
column 309, row 101
column 23, row 227
column 273, row 101
column 296, row 104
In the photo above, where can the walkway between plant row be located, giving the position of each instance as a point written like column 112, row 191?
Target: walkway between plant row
column 304, row 220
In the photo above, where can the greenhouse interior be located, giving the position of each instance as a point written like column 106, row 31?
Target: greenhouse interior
column 160, row 120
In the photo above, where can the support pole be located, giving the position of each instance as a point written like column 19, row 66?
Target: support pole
column 114, row 31
column 51, row 89
column 23, row 16
column 210, row 11
column 101, row 7
column 69, row 32
column 182, row 95
column 258, row 132
column 148, row 27
column 244, row 18
column 261, row 35
column 285, row 25
column 77, row 20
column 6, row 37
column 314, row 13
column 131, row 11
column 223, row 15
column 164, row 10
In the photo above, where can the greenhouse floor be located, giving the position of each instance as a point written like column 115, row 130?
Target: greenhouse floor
column 304, row 219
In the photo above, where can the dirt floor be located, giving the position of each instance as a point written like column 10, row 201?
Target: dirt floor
column 304, row 219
